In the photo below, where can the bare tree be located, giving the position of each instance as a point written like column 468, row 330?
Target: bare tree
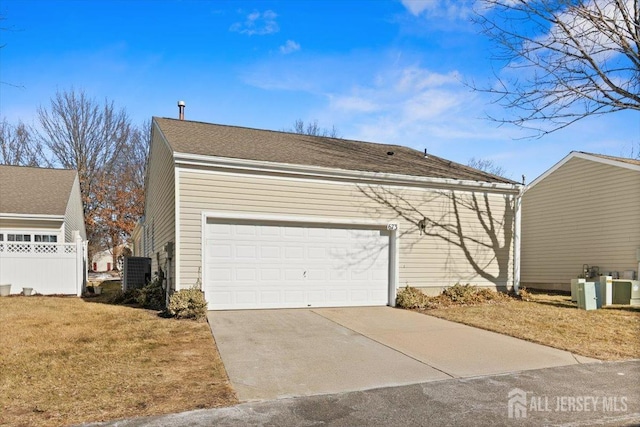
column 564, row 60
column 313, row 129
column 17, row 147
column 90, row 137
column 487, row 166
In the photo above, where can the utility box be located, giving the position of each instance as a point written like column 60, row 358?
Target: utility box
column 574, row 288
column 136, row 272
column 606, row 290
column 622, row 292
column 587, row 298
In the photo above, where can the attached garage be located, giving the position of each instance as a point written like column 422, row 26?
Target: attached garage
column 284, row 264
column 263, row 219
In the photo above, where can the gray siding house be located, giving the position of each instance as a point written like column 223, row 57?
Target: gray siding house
column 265, row 219
column 584, row 210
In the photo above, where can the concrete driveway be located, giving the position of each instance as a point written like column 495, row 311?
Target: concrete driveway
column 271, row 354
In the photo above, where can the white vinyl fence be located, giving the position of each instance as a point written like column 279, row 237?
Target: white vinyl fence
column 48, row 268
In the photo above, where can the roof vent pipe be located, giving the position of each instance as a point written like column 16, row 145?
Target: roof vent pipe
column 426, row 156
column 181, row 106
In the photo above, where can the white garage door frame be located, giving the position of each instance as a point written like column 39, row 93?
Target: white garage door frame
column 392, row 226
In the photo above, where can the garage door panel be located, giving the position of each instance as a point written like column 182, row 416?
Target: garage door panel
column 216, row 230
column 272, row 266
column 316, row 275
column 220, row 274
column 219, row 250
column 246, row 274
column 269, row 252
column 293, row 232
column 247, row 230
column 246, row 297
column 270, row 232
column 246, row 252
column 270, row 297
column 294, row 252
column 270, row 274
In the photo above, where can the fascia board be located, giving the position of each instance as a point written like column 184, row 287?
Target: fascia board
column 584, row 156
column 32, row 216
column 324, row 172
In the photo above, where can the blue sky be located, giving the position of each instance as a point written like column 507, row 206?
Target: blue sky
column 381, row 71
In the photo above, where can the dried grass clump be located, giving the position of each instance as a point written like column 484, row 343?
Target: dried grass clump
column 188, row 304
column 457, row 295
column 410, row 298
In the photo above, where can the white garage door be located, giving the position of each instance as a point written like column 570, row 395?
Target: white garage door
column 289, row 266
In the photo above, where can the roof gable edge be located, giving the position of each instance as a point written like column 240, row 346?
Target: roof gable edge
column 584, row 156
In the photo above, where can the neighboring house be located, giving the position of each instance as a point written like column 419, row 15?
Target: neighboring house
column 584, row 210
column 103, row 260
column 265, row 219
column 41, row 230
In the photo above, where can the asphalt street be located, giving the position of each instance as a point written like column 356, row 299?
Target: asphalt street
column 592, row 394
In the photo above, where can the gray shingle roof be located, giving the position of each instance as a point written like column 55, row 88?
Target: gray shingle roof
column 617, row 159
column 27, row 190
column 208, row 139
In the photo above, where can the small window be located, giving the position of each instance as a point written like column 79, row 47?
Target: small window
column 48, row 238
column 18, row 237
column 1, row 237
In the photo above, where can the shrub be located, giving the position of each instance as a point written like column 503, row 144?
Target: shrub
column 409, row 297
column 151, row 296
column 453, row 296
column 124, row 298
column 462, row 294
column 470, row 295
column 188, row 304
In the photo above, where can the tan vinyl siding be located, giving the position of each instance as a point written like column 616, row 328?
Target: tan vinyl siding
column 136, row 240
column 424, row 261
column 159, row 225
column 74, row 214
column 585, row 212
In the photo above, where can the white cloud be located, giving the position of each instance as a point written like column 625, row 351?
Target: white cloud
column 353, row 104
column 257, row 23
column 416, row 7
column 407, row 93
column 451, row 9
column 400, row 103
column 289, row 47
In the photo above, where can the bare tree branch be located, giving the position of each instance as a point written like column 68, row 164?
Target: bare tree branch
column 487, row 166
column 313, row 129
column 563, row 60
column 18, row 148
column 90, row 137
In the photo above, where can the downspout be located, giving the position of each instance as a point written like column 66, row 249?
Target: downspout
column 516, row 240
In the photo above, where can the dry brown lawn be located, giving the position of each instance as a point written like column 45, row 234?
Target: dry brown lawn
column 66, row 360
column 611, row 333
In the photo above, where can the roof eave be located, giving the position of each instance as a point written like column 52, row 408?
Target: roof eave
column 334, row 173
column 584, row 156
column 30, row 216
